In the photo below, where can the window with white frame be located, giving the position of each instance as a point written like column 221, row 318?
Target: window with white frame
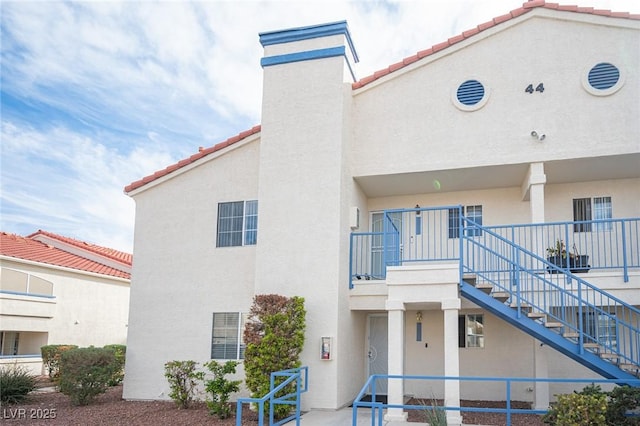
column 227, row 339
column 600, row 328
column 471, row 331
column 9, row 341
column 473, row 213
column 588, row 209
column 237, row 223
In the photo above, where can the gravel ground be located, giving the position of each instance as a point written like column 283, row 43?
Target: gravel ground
column 487, row 419
column 53, row 408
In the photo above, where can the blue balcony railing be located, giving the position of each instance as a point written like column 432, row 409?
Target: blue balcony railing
column 423, row 235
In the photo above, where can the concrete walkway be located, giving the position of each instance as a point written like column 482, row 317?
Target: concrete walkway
column 343, row 417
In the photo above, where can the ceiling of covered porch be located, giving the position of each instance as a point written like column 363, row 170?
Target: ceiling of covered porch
column 500, row 176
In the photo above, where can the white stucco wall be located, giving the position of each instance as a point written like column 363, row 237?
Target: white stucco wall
column 180, row 277
column 410, row 123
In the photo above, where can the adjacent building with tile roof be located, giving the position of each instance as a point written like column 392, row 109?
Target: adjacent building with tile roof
column 58, row 290
column 417, row 211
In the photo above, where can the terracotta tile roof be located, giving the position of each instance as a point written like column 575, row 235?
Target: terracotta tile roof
column 113, row 254
column 26, row 248
column 526, row 7
column 202, row 152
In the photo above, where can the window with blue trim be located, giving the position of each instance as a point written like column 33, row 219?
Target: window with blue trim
column 237, row 223
column 473, row 214
column 586, row 209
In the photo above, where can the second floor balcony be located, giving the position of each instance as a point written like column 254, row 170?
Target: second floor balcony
column 403, row 237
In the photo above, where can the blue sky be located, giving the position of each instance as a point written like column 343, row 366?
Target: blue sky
column 96, row 95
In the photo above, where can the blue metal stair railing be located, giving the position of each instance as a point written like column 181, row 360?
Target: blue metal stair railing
column 575, row 317
column 298, row 377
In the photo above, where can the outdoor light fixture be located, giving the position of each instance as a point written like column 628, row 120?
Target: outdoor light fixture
column 540, row 136
column 417, row 211
column 419, row 316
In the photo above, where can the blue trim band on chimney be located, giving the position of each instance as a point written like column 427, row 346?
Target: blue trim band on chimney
column 306, row 33
column 303, row 56
column 306, row 56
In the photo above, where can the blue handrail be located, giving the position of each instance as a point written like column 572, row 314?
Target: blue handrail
column 300, row 376
column 377, row 408
column 432, row 234
column 582, row 308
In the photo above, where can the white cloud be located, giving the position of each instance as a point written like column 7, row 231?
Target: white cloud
column 97, row 95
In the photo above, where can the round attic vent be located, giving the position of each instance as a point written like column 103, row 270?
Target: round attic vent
column 470, row 95
column 603, row 79
column 470, row 92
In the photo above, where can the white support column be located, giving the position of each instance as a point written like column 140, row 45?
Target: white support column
column 450, row 308
column 533, row 190
column 395, row 388
column 540, row 371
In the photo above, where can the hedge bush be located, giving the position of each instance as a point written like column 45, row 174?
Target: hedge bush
column 85, row 373
column 579, row 408
column 15, row 383
column 119, row 352
column 51, row 358
column 575, row 409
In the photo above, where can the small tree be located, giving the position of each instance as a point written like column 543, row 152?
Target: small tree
column 219, row 388
column 51, row 358
column 274, row 335
column 182, row 377
column 85, row 373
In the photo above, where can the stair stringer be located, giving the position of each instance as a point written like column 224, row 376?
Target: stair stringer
column 546, row 336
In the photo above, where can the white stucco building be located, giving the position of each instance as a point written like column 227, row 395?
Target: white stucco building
column 382, row 200
column 58, row 290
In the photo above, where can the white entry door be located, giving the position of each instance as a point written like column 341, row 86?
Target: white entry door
column 377, row 354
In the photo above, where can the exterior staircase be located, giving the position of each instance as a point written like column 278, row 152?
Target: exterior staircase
column 558, row 308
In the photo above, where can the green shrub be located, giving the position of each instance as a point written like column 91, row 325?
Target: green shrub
column 219, row 388
column 182, row 376
column 15, row 383
column 51, row 358
column 621, row 400
column 119, row 352
column 434, row 414
column 274, row 335
column 85, row 373
column 577, row 409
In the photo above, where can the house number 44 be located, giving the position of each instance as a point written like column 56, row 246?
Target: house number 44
column 539, row 88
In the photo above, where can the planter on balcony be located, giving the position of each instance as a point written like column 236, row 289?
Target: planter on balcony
column 577, row 263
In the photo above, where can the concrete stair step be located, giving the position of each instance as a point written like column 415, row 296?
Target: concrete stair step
column 609, row 355
column 485, row 288
column 536, row 315
column 552, row 324
column 502, row 296
column 571, row 335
